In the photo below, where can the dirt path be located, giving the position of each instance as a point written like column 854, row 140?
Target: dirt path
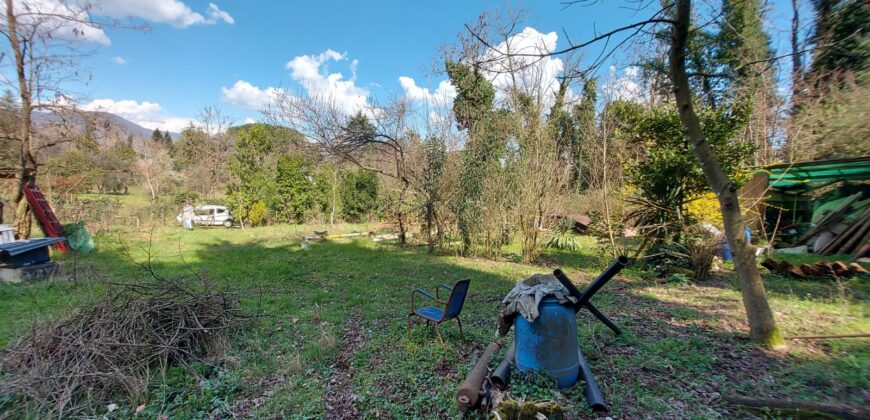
column 340, row 399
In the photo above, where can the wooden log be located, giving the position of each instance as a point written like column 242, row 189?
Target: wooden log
column 844, row 411
column 770, row 264
column 830, row 218
column 859, row 232
column 796, row 271
column 862, row 251
column 825, row 266
column 857, row 269
column 810, row 271
column 469, row 392
column 841, row 269
column 855, row 229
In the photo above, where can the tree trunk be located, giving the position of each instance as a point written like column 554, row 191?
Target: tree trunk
column 761, row 322
column 401, row 213
column 334, row 197
column 796, row 66
column 27, row 163
column 797, row 75
column 430, row 220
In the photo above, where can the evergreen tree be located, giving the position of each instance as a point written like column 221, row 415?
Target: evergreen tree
column 842, row 41
column 359, row 195
column 473, row 107
column 167, row 139
column 587, row 131
column 156, row 136
column 295, row 187
column 744, row 47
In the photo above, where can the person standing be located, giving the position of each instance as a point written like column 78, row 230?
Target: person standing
column 187, row 215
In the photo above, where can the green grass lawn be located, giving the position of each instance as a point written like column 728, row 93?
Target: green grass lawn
column 333, row 337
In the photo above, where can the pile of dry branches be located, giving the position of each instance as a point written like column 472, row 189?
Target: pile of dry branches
column 114, row 345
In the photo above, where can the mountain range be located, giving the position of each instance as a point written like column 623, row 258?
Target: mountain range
column 103, row 122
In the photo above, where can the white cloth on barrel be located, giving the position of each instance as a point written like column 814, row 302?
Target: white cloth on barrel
column 525, row 297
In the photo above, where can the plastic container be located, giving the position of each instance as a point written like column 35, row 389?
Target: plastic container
column 550, row 343
column 726, row 248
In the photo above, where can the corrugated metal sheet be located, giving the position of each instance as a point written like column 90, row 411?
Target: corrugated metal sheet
column 20, row 247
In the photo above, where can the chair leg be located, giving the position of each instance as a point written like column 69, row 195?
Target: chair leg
column 409, row 325
column 438, row 332
column 460, row 328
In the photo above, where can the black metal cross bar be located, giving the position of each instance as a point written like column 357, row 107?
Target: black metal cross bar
column 584, row 298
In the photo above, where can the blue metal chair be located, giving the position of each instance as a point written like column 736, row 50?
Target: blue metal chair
column 452, row 307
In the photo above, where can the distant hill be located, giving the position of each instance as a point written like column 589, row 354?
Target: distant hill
column 103, row 122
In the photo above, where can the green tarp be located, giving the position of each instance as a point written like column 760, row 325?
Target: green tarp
column 797, row 175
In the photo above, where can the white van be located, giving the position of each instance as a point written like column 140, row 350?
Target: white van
column 210, row 215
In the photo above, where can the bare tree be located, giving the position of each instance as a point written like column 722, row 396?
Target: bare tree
column 155, row 165
column 375, row 138
column 44, row 39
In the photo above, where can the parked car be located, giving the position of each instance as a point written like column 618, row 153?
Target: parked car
column 210, row 215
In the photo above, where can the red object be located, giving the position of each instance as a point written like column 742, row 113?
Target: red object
column 46, row 217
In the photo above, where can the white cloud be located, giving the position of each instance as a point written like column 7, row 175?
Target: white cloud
column 442, row 96
column 624, row 87
column 312, row 73
column 215, row 14
column 173, row 12
column 249, row 120
column 119, row 60
column 532, row 74
column 147, row 114
column 246, row 95
column 54, row 19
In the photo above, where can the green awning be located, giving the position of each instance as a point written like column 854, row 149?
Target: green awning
column 801, row 174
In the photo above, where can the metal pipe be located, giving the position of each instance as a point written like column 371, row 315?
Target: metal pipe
column 501, row 376
column 615, row 267
column 591, row 392
column 583, row 297
column 468, row 394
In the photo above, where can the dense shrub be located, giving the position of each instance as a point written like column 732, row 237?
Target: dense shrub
column 258, row 214
column 359, row 195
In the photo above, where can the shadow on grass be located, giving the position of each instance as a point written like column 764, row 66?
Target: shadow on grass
column 673, row 360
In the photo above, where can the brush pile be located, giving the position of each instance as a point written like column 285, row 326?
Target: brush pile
column 115, row 344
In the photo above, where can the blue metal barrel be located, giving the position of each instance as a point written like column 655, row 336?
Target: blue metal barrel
column 549, row 343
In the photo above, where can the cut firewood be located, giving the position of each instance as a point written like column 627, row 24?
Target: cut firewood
column 825, row 267
column 841, row 269
column 797, row 272
column 770, row 264
column 857, row 269
column 810, row 271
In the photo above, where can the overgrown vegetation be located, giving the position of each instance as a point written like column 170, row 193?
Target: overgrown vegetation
column 116, row 346
column 284, row 365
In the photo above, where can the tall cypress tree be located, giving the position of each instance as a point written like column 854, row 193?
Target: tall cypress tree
column 744, row 47
column 842, row 41
column 745, row 53
column 474, row 112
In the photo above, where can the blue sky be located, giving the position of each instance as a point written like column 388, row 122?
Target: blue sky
column 229, row 53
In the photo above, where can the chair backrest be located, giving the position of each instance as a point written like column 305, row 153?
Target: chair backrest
column 456, row 299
